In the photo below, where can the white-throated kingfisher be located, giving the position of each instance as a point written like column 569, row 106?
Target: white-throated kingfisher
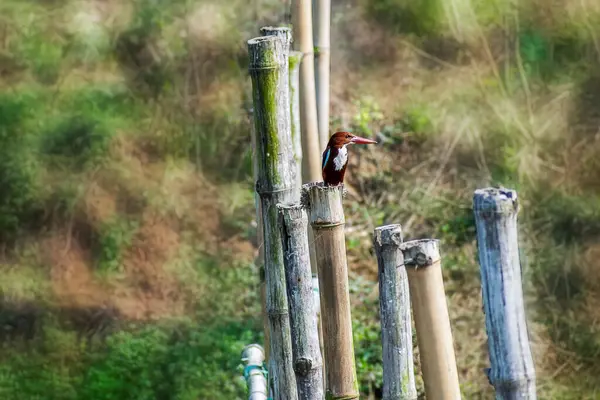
column 335, row 156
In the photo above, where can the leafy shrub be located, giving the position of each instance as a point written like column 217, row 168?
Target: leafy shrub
column 115, row 238
column 405, row 16
column 178, row 361
column 19, row 166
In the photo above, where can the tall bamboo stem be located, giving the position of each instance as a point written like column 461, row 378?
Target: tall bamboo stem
column 432, row 322
column 327, row 220
column 268, row 68
column 295, row 61
column 512, row 370
column 322, row 58
column 394, row 306
column 303, row 35
column 305, row 335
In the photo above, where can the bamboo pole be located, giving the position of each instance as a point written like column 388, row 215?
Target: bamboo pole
column 512, row 370
column 305, row 336
column 394, row 306
column 295, row 60
column 253, row 357
column 322, row 58
column 259, row 260
column 432, row 322
column 317, row 302
column 327, row 220
column 311, row 150
column 268, row 67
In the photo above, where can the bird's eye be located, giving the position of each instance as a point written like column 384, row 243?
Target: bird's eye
column 348, row 136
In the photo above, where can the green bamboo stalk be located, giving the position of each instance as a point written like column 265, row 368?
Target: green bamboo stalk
column 268, row 59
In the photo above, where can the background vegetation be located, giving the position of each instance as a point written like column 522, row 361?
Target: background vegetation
column 126, row 212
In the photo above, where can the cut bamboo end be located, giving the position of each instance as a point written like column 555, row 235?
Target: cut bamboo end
column 432, row 322
column 490, row 201
column 388, row 235
column 330, row 211
column 282, row 31
column 421, row 253
column 266, row 52
column 512, row 371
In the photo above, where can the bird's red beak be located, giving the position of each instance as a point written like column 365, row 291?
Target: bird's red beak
column 362, row 140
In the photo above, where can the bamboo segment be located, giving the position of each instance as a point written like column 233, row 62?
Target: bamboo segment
column 322, row 58
column 317, row 301
column 253, row 357
column 512, row 370
column 394, row 306
column 295, row 60
column 327, row 220
column 432, row 322
column 311, row 150
column 305, row 335
column 268, row 66
column 259, row 260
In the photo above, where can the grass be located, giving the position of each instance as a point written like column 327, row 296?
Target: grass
column 125, row 169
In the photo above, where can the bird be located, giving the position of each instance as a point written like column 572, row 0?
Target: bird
column 335, row 156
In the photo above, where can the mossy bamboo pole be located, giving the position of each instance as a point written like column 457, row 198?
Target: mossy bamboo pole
column 303, row 34
column 432, row 322
column 295, row 60
column 268, row 67
column 512, row 371
column 253, row 357
column 322, row 58
column 394, row 308
column 305, row 335
column 326, row 215
column 259, row 260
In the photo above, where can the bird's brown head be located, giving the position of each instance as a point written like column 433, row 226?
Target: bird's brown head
column 339, row 139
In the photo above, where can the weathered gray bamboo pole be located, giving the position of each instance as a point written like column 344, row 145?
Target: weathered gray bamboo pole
column 512, row 370
column 268, row 68
column 305, row 335
column 327, row 220
column 253, row 357
column 303, row 34
column 322, row 58
column 294, row 60
column 394, row 306
column 432, row 322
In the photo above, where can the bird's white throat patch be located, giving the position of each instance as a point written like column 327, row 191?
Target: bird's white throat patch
column 342, row 157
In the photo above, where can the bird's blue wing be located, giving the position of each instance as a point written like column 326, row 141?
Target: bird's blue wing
column 326, row 157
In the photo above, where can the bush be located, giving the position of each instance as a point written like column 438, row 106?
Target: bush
column 179, row 361
column 19, row 166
